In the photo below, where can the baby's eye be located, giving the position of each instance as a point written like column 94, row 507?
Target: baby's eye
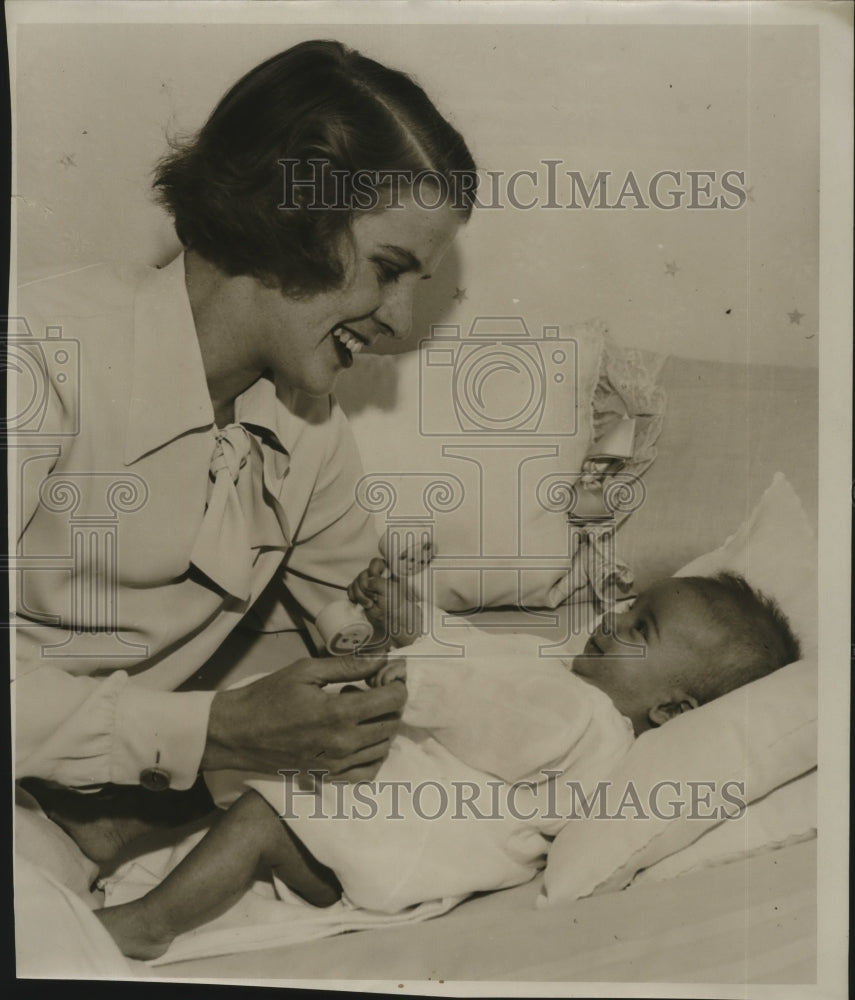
column 641, row 627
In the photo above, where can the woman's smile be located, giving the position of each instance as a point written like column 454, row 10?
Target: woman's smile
column 307, row 343
column 348, row 344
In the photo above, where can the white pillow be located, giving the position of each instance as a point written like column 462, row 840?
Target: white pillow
column 784, row 816
column 471, row 435
column 762, row 735
column 775, row 550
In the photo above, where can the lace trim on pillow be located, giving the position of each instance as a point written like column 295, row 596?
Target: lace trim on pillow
column 626, row 387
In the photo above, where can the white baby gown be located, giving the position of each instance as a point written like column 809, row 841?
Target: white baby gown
column 461, row 804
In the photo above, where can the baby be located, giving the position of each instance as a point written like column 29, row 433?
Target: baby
column 499, row 717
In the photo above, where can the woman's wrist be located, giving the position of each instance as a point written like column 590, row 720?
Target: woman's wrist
column 220, row 752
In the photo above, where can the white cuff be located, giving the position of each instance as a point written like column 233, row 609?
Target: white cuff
column 163, row 731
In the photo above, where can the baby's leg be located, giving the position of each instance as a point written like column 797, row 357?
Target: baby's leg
column 215, row 874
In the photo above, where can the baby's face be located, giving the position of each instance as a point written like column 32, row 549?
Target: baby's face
column 638, row 657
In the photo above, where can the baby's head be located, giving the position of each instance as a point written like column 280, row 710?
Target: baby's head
column 684, row 642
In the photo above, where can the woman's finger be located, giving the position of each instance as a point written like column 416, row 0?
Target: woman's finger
column 372, row 704
column 370, row 733
column 333, row 669
column 344, row 745
column 365, row 757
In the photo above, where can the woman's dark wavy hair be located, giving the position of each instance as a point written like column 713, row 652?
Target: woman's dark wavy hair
column 318, row 101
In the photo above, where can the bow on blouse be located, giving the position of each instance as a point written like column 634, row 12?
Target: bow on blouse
column 239, row 502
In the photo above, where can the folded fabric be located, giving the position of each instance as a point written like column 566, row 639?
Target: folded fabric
column 40, row 841
column 56, row 934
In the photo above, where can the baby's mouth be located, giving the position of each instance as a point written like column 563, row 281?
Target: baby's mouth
column 347, row 344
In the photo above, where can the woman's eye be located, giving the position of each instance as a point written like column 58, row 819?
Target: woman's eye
column 386, row 270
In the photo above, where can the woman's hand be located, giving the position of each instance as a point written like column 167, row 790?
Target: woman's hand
column 287, row 721
column 388, row 605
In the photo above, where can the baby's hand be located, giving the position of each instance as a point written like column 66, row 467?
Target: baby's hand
column 394, row 617
column 370, row 588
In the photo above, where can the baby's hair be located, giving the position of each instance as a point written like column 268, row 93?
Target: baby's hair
column 758, row 636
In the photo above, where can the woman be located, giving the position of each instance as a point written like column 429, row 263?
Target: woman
column 201, row 431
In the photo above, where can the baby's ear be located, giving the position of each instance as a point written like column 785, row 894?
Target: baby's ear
column 680, row 703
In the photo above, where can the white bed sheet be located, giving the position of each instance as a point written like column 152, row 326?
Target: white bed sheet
column 751, row 920
column 748, row 921
column 715, row 925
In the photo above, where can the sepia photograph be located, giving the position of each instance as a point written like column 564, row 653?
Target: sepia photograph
column 430, row 495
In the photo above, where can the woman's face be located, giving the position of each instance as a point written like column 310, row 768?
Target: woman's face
column 307, row 343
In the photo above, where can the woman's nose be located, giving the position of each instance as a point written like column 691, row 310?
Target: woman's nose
column 396, row 311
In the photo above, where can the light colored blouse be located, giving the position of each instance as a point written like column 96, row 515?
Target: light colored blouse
column 145, row 533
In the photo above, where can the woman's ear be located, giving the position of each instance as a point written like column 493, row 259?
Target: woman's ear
column 680, row 703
